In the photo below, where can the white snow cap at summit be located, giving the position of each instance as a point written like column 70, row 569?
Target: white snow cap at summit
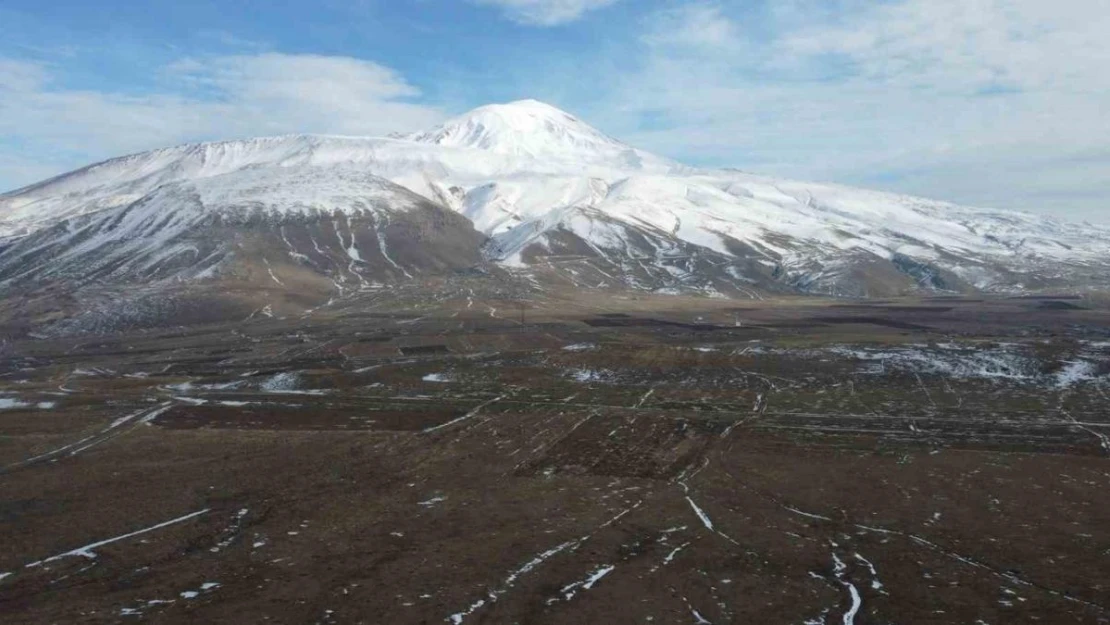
column 529, row 128
column 542, row 183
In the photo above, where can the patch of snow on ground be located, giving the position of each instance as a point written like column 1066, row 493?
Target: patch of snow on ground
column 7, row 403
column 988, row 363
column 285, row 381
column 579, row 347
column 1074, row 372
column 436, row 377
column 997, row 362
column 205, row 587
column 588, row 375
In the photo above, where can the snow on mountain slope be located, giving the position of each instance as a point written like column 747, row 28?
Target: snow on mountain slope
column 556, row 195
column 123, row 180
column 808, row 235
column 338, row 221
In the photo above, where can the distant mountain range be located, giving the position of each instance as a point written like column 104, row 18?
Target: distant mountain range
column 523, row 186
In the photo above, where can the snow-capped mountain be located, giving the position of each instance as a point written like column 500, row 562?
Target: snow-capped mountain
column 546, row 193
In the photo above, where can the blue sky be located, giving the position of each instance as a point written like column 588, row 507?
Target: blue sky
column 989, row 102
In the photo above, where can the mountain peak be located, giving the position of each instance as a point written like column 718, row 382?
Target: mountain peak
column 533, row 129
column 530, row 103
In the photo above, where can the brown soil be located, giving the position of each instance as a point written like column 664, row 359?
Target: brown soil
column 651, row 473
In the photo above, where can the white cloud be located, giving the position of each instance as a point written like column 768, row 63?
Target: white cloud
column 308, row 93
column 697, row 26
column 980, row 101
column 952, row 44
column 546, row 12
column 49, row 128
column 20, row 76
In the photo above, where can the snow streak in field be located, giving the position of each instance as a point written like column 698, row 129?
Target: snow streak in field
column 536, row 561
column 459, row 616
column 698, row 618
column 539, row 559
column 570, row 590
column 113, row 430
column 875, row 583
column 807, row 514
column 464, row 417
column 670, row 556
column 839, row 569
column 701, row 515
column 87, row 550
